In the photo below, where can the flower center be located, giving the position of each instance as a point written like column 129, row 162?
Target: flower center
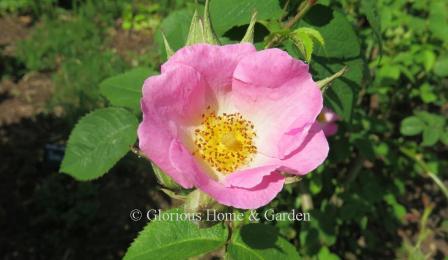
column 225, row 142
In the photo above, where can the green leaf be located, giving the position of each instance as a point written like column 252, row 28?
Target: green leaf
column 444, row 137
column 259, row 241
column 313, row 34
column 126, row 89
column 98, row 141
column 434, row 127
column 426, row 93
column 326, row 254
column 441, row 66
column 430, row 136
column 411, row 126
column 341, row 95
column 438, row 19
column 176, row 239
column 316, row 184
column 175, row 27
column 365, row 147
column 342, row 48
column 370, row 10
column 432, row 120
column 427, row 58
column 304, row 43
column 398, row 209
column 341, row 40
column 226, row 14
column 303, row 38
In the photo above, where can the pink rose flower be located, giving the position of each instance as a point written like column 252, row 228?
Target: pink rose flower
column 327, row 120
column 230, row 121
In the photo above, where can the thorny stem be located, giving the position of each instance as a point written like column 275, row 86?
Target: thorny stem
column 425, row 169
column 302, row 10
column 285, row 8
column 229, row 237
column 422, row 234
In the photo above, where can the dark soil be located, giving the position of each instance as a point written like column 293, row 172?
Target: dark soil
column 45, row 214
column 24, row 99
column 48, row 215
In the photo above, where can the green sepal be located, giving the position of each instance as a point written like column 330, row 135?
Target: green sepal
column 201, row 30
column 195, row 32
column 209, row 33
column 324, row 83
column 249, row 35
column 163, row 179
column 169, row 51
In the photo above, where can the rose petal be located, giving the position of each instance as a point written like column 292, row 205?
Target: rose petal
column 170, row 100
column 249, row 178
column 311, row 153
column 252, row 198
column 279, row 96
column 215, row 63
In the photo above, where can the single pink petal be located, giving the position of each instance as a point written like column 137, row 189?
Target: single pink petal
column 311, row 153
column 169, row 101
column 177, row 94
column 237, row 197
column 268, row 69
column 278, row 94
column 155, row 140
column 249, row 178
column 292, row 139
column 215, row 63
column 252, row 198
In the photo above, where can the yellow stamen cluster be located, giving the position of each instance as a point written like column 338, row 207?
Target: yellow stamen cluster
column 225, row 142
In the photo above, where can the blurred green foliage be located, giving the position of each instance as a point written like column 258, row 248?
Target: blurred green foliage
column 73, row 45
column 393, row 136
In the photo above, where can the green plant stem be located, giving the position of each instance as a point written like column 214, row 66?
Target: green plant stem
column 355, row 169
column 302, row 10
column 285, row 8
column 426, row 170
column 305, row 198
